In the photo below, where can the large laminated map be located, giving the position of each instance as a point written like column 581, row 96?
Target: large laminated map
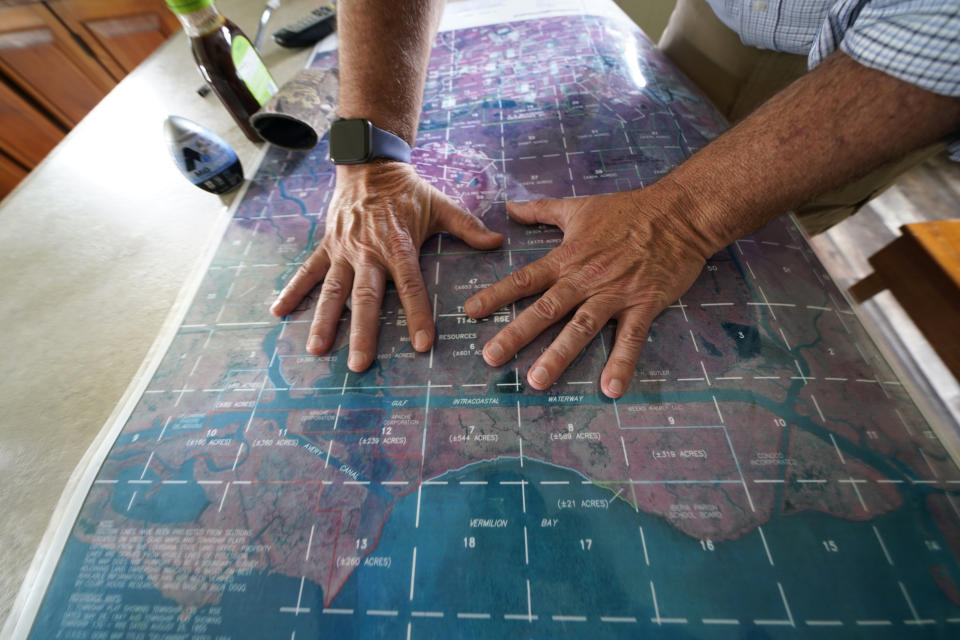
column 765, row 475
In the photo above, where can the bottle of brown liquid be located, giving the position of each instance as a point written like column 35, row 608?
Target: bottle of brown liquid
column 227, row 59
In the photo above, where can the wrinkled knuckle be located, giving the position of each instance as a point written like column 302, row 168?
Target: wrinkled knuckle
column 578, row 281
column 566, row 258
column 564, row 254
column 562, row 351
column 622, row 362
column 399, row 243
column 611, row 299
column 333, row 288
column 592, row 271
column 469, row 221
column 509, row 337
column 650, row 301
column 546, row 308
column 365, row 294
column 633, row 337
column 358, row 253
column 584, row 324
column 521, row 279
column 410, row 284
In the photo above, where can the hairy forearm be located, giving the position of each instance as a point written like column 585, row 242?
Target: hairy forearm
column 384, row 51
column 832, row 125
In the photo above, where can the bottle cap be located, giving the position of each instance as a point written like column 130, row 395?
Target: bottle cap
column 188, row 6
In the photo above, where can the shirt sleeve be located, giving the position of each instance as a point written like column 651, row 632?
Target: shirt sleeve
column 917, row 41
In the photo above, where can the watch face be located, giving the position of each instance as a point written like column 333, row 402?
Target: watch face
column 350, row 141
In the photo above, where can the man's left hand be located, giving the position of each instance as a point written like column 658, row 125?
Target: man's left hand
column 625, row 256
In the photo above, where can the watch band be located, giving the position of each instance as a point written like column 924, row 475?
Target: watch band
column 384, row 144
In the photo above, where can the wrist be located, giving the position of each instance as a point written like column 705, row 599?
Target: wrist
column 678, row 204
column 377, row 166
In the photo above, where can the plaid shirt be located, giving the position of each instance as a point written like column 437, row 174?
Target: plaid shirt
column 917, row 41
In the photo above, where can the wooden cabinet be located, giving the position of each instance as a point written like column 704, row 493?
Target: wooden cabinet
column 26, row 135
column 11, row 173
column 122, row 33
column 58, row 59
column 40, row 58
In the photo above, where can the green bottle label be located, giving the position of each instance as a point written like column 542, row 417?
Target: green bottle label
column 251, row 70
column 188, row 6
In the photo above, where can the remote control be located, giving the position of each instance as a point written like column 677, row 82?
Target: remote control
column 311, row 28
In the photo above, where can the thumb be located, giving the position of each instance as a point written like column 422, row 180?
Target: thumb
column 465, row 226
column 544, row 211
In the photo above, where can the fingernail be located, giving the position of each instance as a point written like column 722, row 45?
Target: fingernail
column 356, row 360
column 494, row 352
column 472, row 307
column 273, row 307
column 615, row 386
column 540, row 375
column 315, row 344
column 421, row 341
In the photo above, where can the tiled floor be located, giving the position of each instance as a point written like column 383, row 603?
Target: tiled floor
column 929, row 192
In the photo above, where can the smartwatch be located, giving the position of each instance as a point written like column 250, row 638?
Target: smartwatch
column 357, row 141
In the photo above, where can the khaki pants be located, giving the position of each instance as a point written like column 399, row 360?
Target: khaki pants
column 738, row 78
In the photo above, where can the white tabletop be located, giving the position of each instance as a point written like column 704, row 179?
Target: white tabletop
column 95, row 245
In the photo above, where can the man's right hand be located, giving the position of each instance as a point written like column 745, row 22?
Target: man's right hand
column 379, row 216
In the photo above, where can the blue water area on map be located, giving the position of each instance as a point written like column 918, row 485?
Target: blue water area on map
column 247, row 614
column 163, row 503
column 593, row 564
column 56, row 600
column 587, row 561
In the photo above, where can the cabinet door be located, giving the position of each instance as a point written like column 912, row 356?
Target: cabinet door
column 39, row 55
column 26, row 135
column 121, row 32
